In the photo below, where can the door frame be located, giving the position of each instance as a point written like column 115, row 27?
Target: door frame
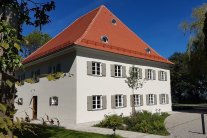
column 34, row 108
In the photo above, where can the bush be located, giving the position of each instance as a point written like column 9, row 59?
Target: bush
column 145, row 122
column 111, row 122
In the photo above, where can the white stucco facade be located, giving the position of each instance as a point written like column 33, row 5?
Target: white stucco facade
column 73, row 89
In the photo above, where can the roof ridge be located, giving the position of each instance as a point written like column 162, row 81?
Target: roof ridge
column 89, row 26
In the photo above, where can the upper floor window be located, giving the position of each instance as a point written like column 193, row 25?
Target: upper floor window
column 54, row 68
column 150, row 74
column 54, row 101
column 162, row 75
column 97, row 102
column 118, row 71
column 96, row 68
column 137, row 72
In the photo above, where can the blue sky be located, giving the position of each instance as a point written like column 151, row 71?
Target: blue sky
column 155, row 21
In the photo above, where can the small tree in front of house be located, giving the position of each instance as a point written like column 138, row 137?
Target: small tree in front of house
column 134, row 81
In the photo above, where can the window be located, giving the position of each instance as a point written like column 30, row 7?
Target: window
column 96, row 68
column 148, row 50
column 163, row 75
column 149, row 74
column 151, row 99
column 54, row 101
column 119, row 100
column 137, row 100
column 113, row 21
column 163, row 99
column 104, row 39
column 20, row 101
column 54, row 68
column 118, row 70
column 97, row 102
column 137, row 72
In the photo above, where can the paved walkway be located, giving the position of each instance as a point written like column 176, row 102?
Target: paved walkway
column 86, row 127
column 185, row 125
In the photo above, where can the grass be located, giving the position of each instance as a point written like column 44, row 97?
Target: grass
column 57, row 132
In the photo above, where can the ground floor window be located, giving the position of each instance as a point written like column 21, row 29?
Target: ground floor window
column 97, row 102
column 151, row 99
column 54, row 101
column 137, row 100
column 163, row 99
column 119, row 99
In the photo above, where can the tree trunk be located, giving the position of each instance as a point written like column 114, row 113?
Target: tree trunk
column 133, row 104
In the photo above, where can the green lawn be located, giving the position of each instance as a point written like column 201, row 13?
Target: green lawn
column 54, row 132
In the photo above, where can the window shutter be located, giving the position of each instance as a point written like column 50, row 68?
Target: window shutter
column 89, row 103
column 50, row 101
column 147, row 99
column 130, row 70
column 141, row 100
column 160, row 98
column 131, row 100
column 154, row 74
column 112, row 70
column 89, row 67
column 155, row 100
column 58, row 68
column 165, row 76
column 146, row 74
column 103, row 69
column 159, row 75
column 140, row 73
column 104, row 102
column 124, row 71
column 167, row 98
column 113, row 102
column 125, row 100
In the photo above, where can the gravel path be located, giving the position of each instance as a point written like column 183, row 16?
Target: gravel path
column 185, row 125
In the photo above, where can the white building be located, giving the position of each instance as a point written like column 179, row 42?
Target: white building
column 95, row 53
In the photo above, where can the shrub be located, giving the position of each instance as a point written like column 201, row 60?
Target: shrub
column 111, row 122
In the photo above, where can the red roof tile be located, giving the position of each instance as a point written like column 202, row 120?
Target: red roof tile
column 87, row 31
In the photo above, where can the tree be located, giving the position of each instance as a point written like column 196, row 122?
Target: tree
column 34, row 40
column 134, row 82
column 13, row 14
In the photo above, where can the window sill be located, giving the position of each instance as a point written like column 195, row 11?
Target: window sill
column 97, row 109
column 119, row 107
column 151, row 104
column 97, row 75
column 163, row 103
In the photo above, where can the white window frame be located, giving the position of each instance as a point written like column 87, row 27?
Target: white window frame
column 164, row 98
column 54, row 101
column 118, row 70
column 95, row 105
column 119, row 101
column 162, row 75
column 95, row 68
column 137, row 99
column 151, row 99
column 150, row 74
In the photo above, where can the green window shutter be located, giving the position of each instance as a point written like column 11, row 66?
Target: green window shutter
column 124, row 71
column 89, row 103
column 167, row 98
column 140, row 73
column 160, row 98
column 141, row 100
column 165, row 76
column 103, row 69
column 155, row 100
column 147, row 99
column 112, row 70
column 125, row 100
column 113, row 102
column 131, row 100
column 146, row 74
column 89, row 67
column 154, row 74
column 159, row 75
column 104, row 102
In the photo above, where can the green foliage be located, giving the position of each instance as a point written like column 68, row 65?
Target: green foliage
column 55, row 76
column 30, row 80
column 111, row 122
column 145, row 122
column 33, row 41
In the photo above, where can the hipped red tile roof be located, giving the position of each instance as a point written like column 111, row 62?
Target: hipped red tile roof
column 87, row 31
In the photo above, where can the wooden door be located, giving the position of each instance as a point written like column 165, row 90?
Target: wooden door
column 34, row 107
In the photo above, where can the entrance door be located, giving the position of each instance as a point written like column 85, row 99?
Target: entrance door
column 34, row 107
